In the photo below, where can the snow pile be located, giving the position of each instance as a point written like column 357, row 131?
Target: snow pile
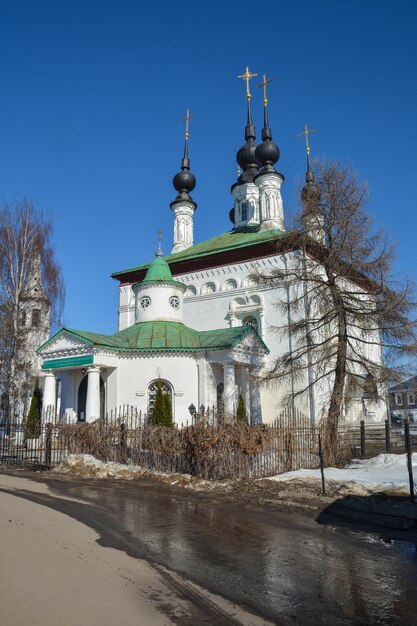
column 88, row 466
column 385, row 473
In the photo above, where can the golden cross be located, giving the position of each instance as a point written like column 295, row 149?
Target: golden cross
column 186, row 119
column 247, row 76
column 264, row 84
column 306, row 132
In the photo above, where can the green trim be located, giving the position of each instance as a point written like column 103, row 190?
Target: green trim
column 72, row 361
column 162, row 283
column 239, row 238
column 63, row 331
column 160, row 336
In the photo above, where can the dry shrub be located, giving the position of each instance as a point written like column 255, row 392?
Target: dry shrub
column 336, row 452
column 97, row 438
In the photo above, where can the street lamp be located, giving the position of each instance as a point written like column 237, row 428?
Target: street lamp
column 192, row 410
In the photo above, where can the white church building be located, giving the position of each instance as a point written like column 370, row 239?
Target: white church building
column 201, row 319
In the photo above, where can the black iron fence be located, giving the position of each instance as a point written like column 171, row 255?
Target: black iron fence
column 209, row 446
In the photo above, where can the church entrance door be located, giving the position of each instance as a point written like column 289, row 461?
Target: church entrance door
column 82, row 398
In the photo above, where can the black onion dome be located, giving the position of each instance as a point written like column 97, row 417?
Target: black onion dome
column 232, row 215
column 267, row 154
column 184, row 181
column 311, row 193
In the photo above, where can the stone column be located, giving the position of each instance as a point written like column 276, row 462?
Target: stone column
column 229, row 396
column 255, row 397
column 92, row 405
column 49, row 394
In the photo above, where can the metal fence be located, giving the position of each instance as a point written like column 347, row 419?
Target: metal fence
column 209, row 445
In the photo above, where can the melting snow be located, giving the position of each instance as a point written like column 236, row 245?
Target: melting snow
column 384, row 473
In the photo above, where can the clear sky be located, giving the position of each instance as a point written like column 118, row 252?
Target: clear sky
column 93, row 93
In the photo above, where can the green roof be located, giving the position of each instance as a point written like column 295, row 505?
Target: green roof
column 239, row 238
column 162, row 336
column 158, row 271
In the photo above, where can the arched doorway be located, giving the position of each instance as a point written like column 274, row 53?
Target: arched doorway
column 82, row 398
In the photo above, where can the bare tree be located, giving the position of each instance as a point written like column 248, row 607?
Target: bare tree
column 31, row 295
column 351, row 322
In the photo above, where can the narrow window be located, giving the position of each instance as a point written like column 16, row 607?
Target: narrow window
column 36, row 318
column 398, row 399
column 244, row 211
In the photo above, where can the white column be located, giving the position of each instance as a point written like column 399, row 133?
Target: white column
column 255, row 397
column 229, row 395
column 183, row 224
column 92, row 406
column 202, row 383
column 49, row 393
column 270, row 201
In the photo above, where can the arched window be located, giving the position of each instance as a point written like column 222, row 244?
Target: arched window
column 250, row 320
column 251, row 281
column 209, row 288
column 166, row 388
column 191, row 291
column 229, row 285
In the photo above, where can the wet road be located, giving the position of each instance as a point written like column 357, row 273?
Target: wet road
column 284, row 567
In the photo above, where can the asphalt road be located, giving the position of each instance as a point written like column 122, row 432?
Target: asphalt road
column 285, row 568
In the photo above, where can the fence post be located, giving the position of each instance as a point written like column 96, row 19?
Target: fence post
column 123, row 444
column 323, row 486
column 48, row 445
column 362, row 439
column 409, row 457
column 387, row 436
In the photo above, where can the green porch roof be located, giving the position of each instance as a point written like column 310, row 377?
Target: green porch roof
column 239, row 238
column 162, row 336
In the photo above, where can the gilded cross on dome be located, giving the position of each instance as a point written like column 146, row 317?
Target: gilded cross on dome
column 306, row 132
column 186, row 120
column 264, row 84
column 247, row 76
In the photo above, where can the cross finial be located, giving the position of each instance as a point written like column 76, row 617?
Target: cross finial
column 247, row 76
column 186, row 120
column 264, row 84
column 306, row 132
column 159, row 249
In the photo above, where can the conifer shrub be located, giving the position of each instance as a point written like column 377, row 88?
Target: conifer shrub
column 162, row 408
column 33, row 422
column 241, row 414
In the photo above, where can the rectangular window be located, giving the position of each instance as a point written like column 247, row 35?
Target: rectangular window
column 398, row 399
column 36, row 318
column 244, row 211
column 410, row 398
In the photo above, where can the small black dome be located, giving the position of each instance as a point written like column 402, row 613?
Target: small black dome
column 232, row 215
column 246, row 156
column 184, row 181
column 267, row 153
column 311, row 196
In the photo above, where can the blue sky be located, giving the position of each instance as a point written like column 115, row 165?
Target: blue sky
column 93, row 93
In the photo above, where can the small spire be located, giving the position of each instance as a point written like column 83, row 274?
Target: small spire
column 159, row 252
column 267, row 153
column 266, row 131
column 309, row 173
column 185, row 163
column 249, row 129
column 310, row 193
column 184, row 181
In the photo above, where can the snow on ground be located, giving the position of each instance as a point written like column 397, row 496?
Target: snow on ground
column 385, row 473
column 88, row 466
